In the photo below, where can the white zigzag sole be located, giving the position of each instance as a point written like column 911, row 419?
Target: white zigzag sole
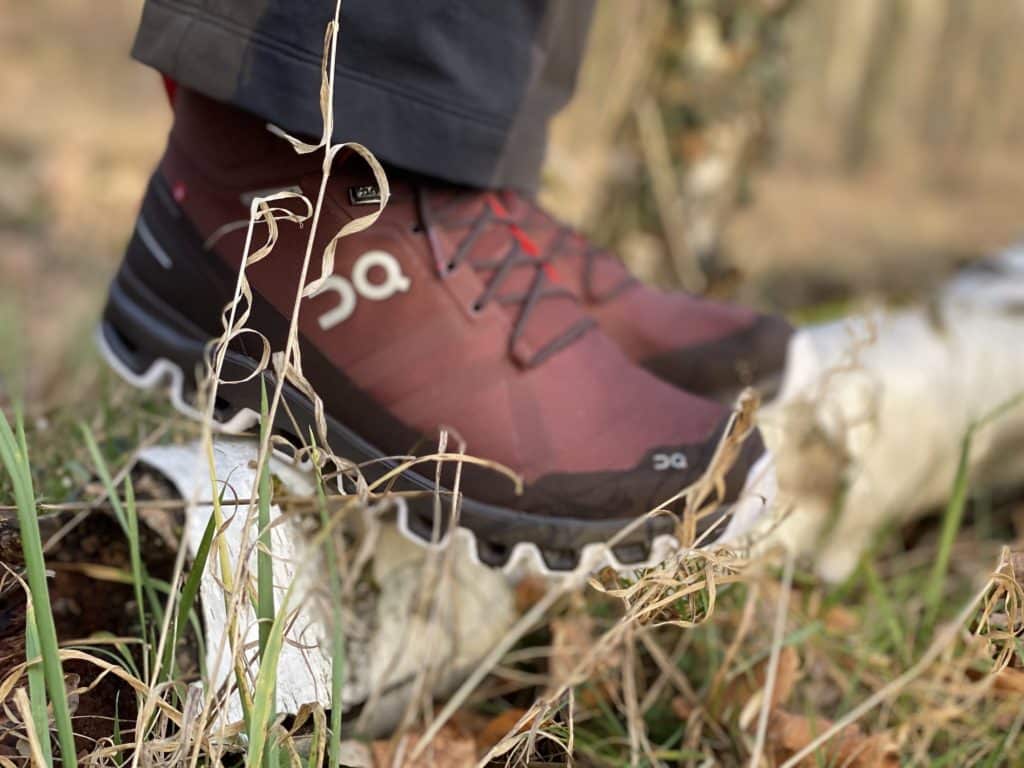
column 525, row 557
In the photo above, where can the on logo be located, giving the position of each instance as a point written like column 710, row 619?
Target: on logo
column 663, row 461
column 394, row 282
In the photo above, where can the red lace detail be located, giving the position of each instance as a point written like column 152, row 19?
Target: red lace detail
column 525, row 241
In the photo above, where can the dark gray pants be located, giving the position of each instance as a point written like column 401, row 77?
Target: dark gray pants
column 458, row 89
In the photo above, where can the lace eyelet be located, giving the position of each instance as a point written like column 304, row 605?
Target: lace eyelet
column 476, row 308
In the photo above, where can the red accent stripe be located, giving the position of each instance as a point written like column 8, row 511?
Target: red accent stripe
column 171, row 87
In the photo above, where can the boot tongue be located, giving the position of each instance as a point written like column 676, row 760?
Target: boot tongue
column 512, row 268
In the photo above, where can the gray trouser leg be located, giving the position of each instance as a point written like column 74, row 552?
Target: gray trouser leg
column 458, row 89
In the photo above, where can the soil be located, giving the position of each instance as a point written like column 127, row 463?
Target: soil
column 84, row 606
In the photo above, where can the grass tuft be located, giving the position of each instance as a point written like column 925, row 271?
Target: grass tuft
column 14, row 454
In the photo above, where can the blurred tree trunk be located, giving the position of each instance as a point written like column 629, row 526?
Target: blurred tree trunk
column 871, row 90
column 582, row 152
column 938, row 117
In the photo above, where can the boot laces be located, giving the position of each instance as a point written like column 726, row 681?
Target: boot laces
column 522, row 253
column 568, row 242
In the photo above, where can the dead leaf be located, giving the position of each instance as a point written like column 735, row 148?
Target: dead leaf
column 498, row 728
column 840, row 620
column 785, row 676
column 741, row 689
column 1009, row 680
column 571, row 638
column 682, row 708
column 788, row 734
column 529, row 591
column 449, row 749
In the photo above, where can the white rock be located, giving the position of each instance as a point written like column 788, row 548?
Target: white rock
column 884, row 400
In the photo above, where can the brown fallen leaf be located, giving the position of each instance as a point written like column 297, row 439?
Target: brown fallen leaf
column 788, row 734
column 449, row 749
column 739, row 691
column 498, row 728
column 840, row 620
column 571, row 638
column 681, row 708
column 529, row 591
column 1009, row 680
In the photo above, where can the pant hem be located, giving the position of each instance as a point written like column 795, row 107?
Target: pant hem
column 406, row 130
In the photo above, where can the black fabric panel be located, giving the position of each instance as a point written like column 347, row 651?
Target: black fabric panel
column 457, row 89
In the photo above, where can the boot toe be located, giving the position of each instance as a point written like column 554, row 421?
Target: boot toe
column 754, row 355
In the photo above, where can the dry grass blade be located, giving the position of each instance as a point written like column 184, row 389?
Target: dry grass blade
column 768, row 693
column 32, row 736
column 944, row 638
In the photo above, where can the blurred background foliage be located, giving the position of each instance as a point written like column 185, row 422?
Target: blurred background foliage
column 791, row 153
column 796, row 152
column 697, row 86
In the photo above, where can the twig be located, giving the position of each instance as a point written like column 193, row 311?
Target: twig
column 773, row 661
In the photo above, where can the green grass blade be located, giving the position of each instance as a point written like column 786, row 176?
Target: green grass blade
column 190, row 590
column 127, row 517
column 264, row 552
column 337, row 632
column 139, row 581
column 952, row 519
column 954, row 514
column 227, row 575
column 318, row 739
column 14, row 455
column 882, row 600
column 264, row 696
column 265, row 560
column 101, row 469
column 37, row 684
column 117, row 739
column 120, row 655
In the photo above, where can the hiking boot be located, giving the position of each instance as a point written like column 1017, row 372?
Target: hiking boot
column 707, row 347
column 436, row 316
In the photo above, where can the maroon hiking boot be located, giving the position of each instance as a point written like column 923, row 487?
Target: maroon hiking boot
column 709, row 348
column 436, row 316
